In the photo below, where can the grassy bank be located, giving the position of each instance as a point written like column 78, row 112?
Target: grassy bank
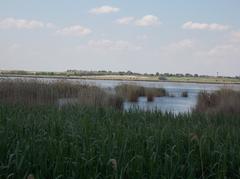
column 79, row 142
column 210, row 80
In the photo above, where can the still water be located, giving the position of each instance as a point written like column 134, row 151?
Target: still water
column 176, row 104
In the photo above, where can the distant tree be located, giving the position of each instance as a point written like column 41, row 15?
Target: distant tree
column 121, row 73
column 188, row 75
column 179, row 75
column 162, row 78
column 129, row 73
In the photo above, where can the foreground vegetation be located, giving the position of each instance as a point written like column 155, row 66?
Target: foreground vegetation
column 91, row 139
column 78, row 142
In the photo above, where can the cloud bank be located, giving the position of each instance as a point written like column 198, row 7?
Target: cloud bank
column 204, row 26
column 104, row 10
column 75, row 30
column 145, row 21
column 105, row 44
column 148, row 20
column 125, row 20
column 12, row 23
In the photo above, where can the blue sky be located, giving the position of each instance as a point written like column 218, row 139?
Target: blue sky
column 143, row 36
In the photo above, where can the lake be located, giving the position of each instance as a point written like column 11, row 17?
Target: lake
column 176, row 104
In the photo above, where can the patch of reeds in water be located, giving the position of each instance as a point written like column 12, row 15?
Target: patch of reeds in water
column 132, row 92
column 225, row 101
column 184, row 94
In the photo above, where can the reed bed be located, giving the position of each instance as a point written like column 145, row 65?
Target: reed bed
column 60, row 93
column 82, row 142
column 132, row 92
column 225, row 101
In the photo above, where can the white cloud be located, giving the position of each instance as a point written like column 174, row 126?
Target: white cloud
column 227, row 50
column 125, row 20
column 51, row 26
column 148, row 20
column 14, row 46
column 185, row 44
column 12, row 23
column 112, row 45
column 142, row 37
column 103, row 10
column 236, row 36
column 204, row 26
column 75, row 30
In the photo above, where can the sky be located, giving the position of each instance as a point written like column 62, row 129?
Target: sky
column 150, row 36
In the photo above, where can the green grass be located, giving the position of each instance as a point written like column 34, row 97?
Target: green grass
column 204, row 80
column 200, row 79
column 79, row 142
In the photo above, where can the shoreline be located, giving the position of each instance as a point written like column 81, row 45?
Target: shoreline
column 116, row 79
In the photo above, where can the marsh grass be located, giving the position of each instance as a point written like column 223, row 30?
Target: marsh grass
column 224, row 101
column 83, row 142
column 94, row 140
column 132, row 92
column 33, row 92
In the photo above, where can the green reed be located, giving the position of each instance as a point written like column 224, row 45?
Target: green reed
column 84, row 142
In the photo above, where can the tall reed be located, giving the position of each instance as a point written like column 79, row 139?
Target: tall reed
column 86, row 142
column 221, row 101
column 132, row 92
column 33, row 92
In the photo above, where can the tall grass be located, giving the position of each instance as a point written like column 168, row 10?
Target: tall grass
column 132, row 92
column 79, row 142
column 221, row 101
column 33, row 92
